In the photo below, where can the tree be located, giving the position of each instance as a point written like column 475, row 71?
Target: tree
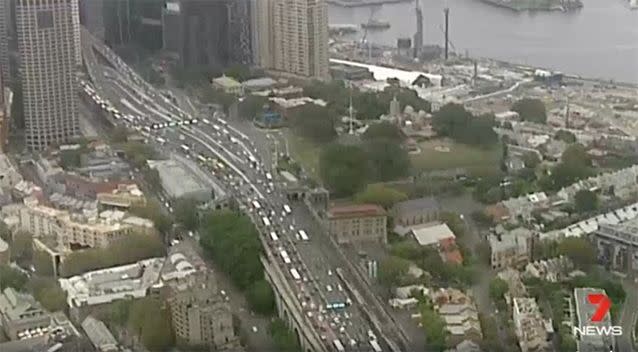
column 586, row 201
column 10, row 277
column 186, row 213
column 344, row 169
column 565, row 136
column 392, row 270
column 70, row 159
column 211, row 95
column 152, row 322
column 531, row 160
column 239, row 72
column 282, row 337
column 153, row 211
column 532, row 110
column 251, row 106
column 314, row 122
column 380, row 195
column 579, row 250
column 368, row 106
column 153, row 179
column 22, row 247
column 387, row 159
column 454, row 222
column 119, row 134
column 498, row 289
column 232, row 241
column 434, row 327
column 48, row 292
column 261, row 297
column 453, row 121
column 384, row 130
column 138, row 153
column 5, row 232
column 575, row 165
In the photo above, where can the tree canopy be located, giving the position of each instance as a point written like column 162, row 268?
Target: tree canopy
column 138, row 153
column 153, row 211
column 314, row 122
column 261, row 297
column 383, row 130
column 498, row 288
column 10, row 277
column 434, row 327
column 575, row 165
column 344, row 169
column 282, row 337
column 251, row 105
column 532, row 110
column 565, row 136
column 132, row 248
column 48, row 292
column 579, row 250
column 151, row 321
column 585, row 201
column 453, row 121
column 186, row 213
column 392, row 271
column 380, row 195
column 387, row 160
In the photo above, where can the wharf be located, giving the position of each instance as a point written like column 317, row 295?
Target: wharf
column 363, row 3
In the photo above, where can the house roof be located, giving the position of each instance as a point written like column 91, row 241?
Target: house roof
column 417, row 204
column 355, row 211
column 429, row 234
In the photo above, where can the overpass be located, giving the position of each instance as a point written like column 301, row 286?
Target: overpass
column 287, row 294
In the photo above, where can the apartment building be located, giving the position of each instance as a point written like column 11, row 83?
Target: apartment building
column 416, row 211
column 124, row 197
column 511, row 249
column 459, row 313
column 617, row 245
column 20, row 313
column 80, row 230
column 48, row 34
column 529, row 325
column 584, row 312
column 358, row 223
column 291, row 36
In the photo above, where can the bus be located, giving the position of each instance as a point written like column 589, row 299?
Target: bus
column 161, row 140
column 256, row 205
column 303, row 235
column 375, row 346
column 295, row 274
column 273, row 236
column 185, row 148
column 287, row 209
column 285, row 257
column 338, row 345
column 266, row 221
column 201, row 158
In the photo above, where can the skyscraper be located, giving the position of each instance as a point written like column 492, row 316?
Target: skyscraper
column 418, row 36
column 48, row 34
column 5, row 12
column 92, row 16
column 292, row 36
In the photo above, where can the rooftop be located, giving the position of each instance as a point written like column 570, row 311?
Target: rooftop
column 16, row 305
column 226, row 82
column 355, row 211
column 513, row 239
column 99, row 334
column 432, row 233
column 584, row 311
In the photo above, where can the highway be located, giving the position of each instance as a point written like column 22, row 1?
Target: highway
column 294, row 241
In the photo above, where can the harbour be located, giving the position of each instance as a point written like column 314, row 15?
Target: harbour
column 573, row 42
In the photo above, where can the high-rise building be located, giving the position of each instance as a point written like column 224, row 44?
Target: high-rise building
column 48, row 34
column 292, row 36
column 92, row 16
column 197, row 32
column 5, row 23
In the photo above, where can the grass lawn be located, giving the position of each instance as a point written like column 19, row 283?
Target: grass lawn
column 477, row 161
column 305, row 152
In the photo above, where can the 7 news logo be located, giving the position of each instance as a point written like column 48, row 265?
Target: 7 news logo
column 603, row 304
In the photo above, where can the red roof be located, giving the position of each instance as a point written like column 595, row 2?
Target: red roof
column 449, row 251
column 355, row 211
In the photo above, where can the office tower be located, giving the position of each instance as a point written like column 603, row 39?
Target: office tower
column 240, row 36
column 262, row 33
column 291, row 36
column 5, row 23
column 197, row 32
column 92, row 16
column 418, row 36
column 48, row 42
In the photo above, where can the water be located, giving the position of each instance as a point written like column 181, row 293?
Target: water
column 598, row 41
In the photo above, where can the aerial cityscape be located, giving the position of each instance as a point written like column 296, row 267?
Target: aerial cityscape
column 319, row 175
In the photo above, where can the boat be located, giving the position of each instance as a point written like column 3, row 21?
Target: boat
column 376, row 24
column 342, row 28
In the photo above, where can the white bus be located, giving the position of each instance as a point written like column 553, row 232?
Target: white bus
column 201, row 158
column 303, row 235
column 287, row 209
column 273, row 236
column 375, row 346
column 185, row 148
column 285, row 257
column 338, row 345
column 266, row 221
column 161, row 140
column 256, row 205
column 295, row 274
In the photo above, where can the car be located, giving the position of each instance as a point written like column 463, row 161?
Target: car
column 254, row 328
